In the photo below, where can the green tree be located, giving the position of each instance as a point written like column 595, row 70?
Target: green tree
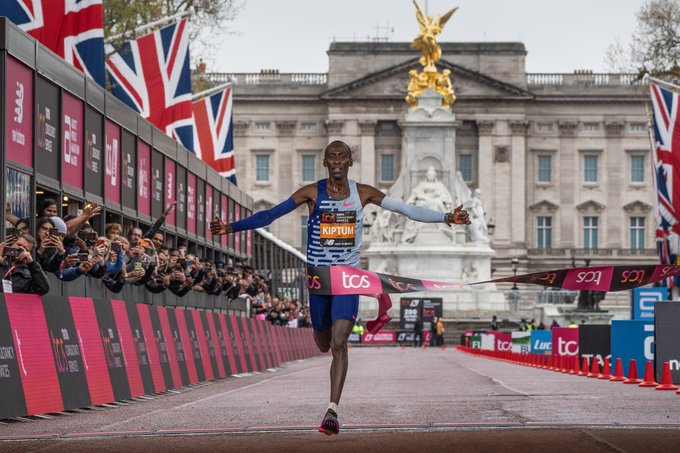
column 207, row 27
column 655, row 44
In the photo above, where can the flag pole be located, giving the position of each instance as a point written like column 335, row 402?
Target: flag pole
column 137, row 31
column 212, row 90
column 670, row 85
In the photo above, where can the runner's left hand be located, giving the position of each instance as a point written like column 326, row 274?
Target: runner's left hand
column 459, row 216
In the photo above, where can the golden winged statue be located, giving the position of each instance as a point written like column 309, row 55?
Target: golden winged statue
column 426, row 42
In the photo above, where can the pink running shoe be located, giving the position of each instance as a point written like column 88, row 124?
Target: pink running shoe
column 330, row 424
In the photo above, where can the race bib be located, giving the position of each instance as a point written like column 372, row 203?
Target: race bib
column 338, row 229
column 6, row 286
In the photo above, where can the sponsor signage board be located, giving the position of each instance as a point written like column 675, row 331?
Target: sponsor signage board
column 19, row 113
column 129, row 169
column 72, row 140
column 632, row 339
column 541, row 342
column 410, row 311
column 521, row 342
column 594, row 341
column 94, row 151
column 384, row 336
column 488, row 342
column 143, row 178
column 644, row 300
column 667, row 339
column 47, row 149
column 112, row 176
column 565, row 341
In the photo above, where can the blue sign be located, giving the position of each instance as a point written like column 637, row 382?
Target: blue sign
column 541, row 341
column 632, row 340
column 644, row 299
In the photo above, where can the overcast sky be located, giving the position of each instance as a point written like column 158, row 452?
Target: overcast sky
column 294, row 35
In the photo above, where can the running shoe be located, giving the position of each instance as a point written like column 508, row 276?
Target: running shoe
column 330, row 424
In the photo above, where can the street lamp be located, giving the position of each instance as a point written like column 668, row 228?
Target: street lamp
column 490, row 227
column 515, row 263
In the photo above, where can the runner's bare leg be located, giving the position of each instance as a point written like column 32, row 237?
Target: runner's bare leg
column 323, row 340
column 341, row 330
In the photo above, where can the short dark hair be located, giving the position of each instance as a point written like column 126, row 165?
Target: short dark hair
column 335, row 143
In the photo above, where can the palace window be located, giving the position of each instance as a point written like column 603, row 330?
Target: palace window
column 544, row 232
column 637, row 168
column 545, row 168
column 590, row 168
column 308, row 167
column 387, row 167
column 262, row 168
column 637, row 233
column 590, row 230
column 465, row 166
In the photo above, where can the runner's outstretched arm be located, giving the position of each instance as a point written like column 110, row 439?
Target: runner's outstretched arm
column 418, row 213
column 263, row 218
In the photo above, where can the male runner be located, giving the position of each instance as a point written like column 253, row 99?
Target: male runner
column 334, row 238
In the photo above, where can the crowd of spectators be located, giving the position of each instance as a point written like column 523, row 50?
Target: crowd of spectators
column 70, row 248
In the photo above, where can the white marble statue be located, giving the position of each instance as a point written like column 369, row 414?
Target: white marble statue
column 479, row 232
column 432, row 193
column 429, row 193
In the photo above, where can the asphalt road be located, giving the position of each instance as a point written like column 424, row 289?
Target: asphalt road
column 394, row 400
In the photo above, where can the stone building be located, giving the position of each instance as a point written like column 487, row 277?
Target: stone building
column 562, row 160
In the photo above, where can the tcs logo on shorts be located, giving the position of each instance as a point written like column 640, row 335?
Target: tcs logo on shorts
column 313, row 282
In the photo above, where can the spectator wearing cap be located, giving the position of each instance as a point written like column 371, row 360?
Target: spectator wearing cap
column 20, row 273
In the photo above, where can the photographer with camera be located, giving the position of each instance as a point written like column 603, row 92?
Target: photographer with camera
column 20, row 273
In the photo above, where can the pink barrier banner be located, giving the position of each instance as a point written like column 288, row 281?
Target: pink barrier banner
column 386, row 336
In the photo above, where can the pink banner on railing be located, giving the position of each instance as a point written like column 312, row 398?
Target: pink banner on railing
column 72, row 140
column 112, row 176
column 170, row 188
column 191, row 202
column 19, row 113
column 143, row 178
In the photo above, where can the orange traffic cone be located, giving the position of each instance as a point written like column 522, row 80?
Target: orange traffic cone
column 649, row 381
column 349, row 345
column 594, row 369
column 618, row 371
column 606, row 370
column 575, row 368
column 666, row 379
column 584, row 368
column 632, row 373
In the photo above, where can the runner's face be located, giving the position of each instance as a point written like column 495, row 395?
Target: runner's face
column 338, row 161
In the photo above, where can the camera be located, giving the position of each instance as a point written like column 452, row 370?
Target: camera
column 116, row 247
column 11, row 232
column 11, row 252
column 54, row 232
column 139, row 265
column 82, row 257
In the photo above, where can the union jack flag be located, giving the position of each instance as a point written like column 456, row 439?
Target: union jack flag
column 151, row 74
column 214, row 136
column 666, row 171
column 73, row 29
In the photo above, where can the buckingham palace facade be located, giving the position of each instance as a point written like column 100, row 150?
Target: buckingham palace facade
column 562, row 160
